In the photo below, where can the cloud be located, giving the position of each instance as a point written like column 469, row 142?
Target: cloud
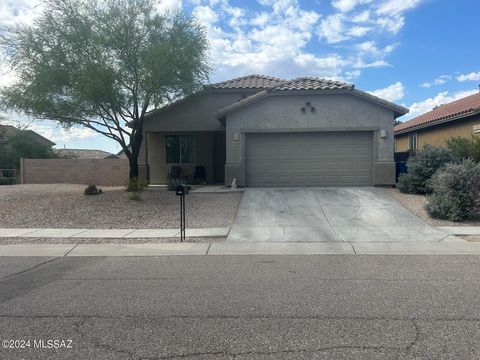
column 278, row 39
column 14, row 11
column 421, row 107
column 392, row 92
column 164, row 6
column 387, row 16
column 396, row 7
column 348, row 5
column 332, row 29
column 442, row 79
column 473, row 76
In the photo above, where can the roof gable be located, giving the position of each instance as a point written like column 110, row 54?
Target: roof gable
column 312, row 85
column 461, row 108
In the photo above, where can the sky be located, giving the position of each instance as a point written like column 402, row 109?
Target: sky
column 416, row 53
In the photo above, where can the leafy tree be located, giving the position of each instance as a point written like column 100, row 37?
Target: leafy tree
column 23, row 144
column 103, row 64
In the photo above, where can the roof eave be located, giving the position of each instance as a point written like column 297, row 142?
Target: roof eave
column 398, row 110
column 241, row 104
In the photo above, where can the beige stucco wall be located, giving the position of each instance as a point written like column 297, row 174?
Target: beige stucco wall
column 437, row 135
column 334, row 112
column 106, row 172
column 158, row 166
column 194, row 115
column 401, row 143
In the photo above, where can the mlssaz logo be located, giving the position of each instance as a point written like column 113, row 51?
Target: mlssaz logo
column 52, row 344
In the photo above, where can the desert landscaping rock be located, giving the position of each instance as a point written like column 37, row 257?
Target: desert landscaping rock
column 65, row 206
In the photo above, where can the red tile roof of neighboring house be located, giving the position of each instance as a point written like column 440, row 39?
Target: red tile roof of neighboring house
column 461, row 108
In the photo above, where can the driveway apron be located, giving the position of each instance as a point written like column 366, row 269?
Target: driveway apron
column 327, row 215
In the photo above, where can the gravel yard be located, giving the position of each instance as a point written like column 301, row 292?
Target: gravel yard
column 416, row 204
column 65, row 206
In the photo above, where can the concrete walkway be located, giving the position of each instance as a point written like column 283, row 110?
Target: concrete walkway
column 352, row 215
column 112, row 233
column 449, row 246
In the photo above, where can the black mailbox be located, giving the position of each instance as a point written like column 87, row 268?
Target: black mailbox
column 182, row 190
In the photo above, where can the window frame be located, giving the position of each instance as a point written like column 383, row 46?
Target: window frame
column 413, row 141
column 180, row 136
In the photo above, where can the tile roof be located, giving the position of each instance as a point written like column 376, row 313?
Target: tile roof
column 463, row 107
column 254, row 81
column 311, row 83
column 84, row 154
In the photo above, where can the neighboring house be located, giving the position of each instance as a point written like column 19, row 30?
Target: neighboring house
column 8, row 131
column 85, row 154
column 121, row 154
column 265, row 131
column 460, row 118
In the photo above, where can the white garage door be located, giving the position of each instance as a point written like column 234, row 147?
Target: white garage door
column 309, row 159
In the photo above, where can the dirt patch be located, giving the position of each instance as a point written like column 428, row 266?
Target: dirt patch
column 470, row 238
column 65, row 206
column 417, row 203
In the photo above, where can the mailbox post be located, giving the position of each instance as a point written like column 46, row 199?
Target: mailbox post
column 181, row 191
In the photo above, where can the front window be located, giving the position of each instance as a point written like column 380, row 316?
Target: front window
column 413, row 141
column 180, row 149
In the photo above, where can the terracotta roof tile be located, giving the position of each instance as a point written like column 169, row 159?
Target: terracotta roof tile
column 254, row 81
column 465, row 106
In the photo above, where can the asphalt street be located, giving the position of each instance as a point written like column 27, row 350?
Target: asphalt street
column 245, row 307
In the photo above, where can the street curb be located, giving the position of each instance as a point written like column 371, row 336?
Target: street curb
column 242, row 248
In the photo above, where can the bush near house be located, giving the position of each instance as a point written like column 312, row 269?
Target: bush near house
column 92, row 190
column 421, row 167
column 465, row 148
column 456, row 192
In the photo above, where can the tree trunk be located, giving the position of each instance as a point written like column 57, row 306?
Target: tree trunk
column 135, row 142
column 133, row 167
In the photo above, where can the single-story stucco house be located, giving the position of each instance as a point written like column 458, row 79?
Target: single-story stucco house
column 266, row 131
column 460, row 118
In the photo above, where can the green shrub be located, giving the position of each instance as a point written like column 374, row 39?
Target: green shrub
column 135, row 185
column 92, row 190
column 456, row 192
column 421, row 167
column 134, row 196
column 465, row 147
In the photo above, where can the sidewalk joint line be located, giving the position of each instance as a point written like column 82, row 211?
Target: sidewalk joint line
column 28, row 233
column 81, row 232
column 69, row 251
column 129, row 233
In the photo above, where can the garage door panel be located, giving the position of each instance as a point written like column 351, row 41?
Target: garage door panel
column 309, row 159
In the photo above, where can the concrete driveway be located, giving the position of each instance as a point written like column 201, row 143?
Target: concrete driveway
column 327, row 215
